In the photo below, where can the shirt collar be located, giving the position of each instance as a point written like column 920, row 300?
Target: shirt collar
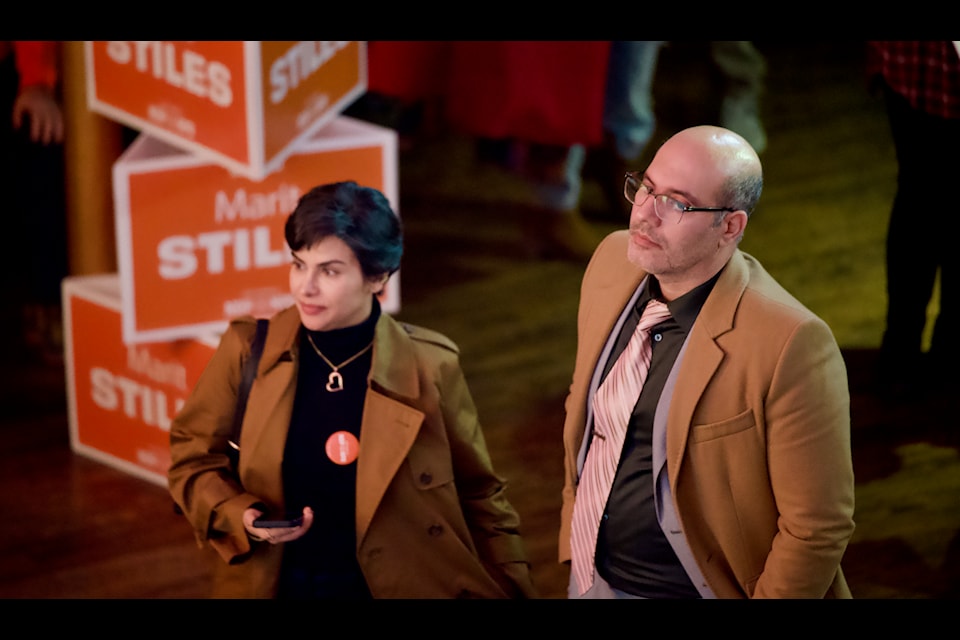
column 685, row 308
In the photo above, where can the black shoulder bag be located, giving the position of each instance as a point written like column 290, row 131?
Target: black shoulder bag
column 249, row 373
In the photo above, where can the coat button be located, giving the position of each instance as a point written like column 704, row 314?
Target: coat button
column 426, row 478
column 435, row 530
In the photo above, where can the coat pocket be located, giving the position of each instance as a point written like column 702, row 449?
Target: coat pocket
column 714, row 430
column 430, row 469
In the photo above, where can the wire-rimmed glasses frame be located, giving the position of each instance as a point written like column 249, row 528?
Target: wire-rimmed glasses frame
column 666, row 207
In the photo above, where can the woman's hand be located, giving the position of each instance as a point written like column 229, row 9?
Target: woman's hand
column 275, row 535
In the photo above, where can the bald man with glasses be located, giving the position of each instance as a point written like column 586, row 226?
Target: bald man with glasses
column 735, row 477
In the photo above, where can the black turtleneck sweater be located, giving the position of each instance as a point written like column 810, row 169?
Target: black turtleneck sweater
column 310, row 478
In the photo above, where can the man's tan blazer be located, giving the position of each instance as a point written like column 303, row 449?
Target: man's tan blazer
column 757, row 432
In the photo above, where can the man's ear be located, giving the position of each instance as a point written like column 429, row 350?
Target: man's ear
column 734, row 224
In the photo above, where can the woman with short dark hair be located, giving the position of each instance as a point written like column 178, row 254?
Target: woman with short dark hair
column 361, row 427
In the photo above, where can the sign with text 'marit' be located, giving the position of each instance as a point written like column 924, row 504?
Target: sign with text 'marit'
column 198, row 245
column 242, row 104
column 123, row 398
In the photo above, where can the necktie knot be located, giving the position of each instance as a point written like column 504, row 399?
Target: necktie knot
column 653, row 314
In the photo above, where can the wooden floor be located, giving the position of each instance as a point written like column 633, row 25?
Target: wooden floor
column 74, row 528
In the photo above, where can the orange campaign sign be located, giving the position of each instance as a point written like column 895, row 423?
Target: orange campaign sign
column 241, row 104
column 122, row 398
column 198, row 245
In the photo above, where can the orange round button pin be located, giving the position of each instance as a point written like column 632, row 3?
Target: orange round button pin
column 342, row 447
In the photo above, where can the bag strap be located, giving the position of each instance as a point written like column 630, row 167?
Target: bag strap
column 249, row 373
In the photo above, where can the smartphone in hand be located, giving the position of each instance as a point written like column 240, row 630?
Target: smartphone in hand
column 267, row 522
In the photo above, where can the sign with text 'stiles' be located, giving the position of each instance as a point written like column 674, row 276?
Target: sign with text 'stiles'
column 198, row 245
column 241, row 104
column 123, row 398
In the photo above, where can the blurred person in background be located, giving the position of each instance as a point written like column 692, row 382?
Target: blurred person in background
column 530, row 107
column 919, row 82
column 32, row 174
column 556, row 114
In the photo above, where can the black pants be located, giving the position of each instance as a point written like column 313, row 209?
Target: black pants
column 306, row 584
column 921, row 238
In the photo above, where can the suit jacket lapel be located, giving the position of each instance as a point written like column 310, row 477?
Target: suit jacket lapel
column 701, row 358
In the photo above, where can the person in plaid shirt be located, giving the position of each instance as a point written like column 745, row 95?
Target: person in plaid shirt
column 920, row 85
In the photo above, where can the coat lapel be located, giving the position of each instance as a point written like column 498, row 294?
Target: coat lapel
column 389, row 425
column 270, row 407
column 390, row 421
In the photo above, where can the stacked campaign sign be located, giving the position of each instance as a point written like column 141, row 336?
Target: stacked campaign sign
column 243, row 104
column 232, row 134
column 197, row 245
column 122, row 398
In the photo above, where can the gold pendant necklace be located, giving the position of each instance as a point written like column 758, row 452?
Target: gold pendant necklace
column 335, row 380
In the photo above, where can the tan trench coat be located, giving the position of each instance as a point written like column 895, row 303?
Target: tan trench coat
column 432, row 517
column 758, row 431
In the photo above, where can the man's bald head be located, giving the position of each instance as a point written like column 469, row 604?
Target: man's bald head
column 730, row 154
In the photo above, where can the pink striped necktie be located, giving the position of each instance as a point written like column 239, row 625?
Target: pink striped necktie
column 612, row 406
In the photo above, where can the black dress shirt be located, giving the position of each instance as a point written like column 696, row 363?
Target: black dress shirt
column 633, row 554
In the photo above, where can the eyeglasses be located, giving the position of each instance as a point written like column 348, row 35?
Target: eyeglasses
column 668, row 209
